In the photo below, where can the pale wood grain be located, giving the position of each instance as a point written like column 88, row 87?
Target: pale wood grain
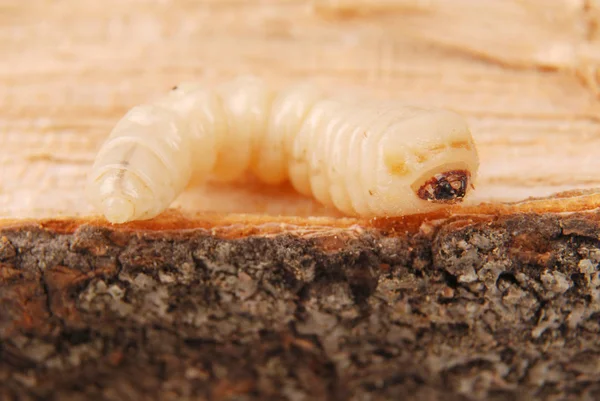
column 522, row 72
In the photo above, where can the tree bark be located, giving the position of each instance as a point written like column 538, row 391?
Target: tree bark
column 465, row 308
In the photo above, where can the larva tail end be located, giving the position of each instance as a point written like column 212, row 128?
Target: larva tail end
column 118, row 210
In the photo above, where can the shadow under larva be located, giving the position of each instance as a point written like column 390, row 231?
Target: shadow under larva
column 363, row 158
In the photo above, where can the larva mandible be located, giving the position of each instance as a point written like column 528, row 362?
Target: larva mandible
column 363, row 158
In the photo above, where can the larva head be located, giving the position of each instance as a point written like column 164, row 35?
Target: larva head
column 426, row 162
column 446, row 187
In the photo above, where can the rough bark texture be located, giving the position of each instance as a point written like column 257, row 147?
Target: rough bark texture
column 469, row 308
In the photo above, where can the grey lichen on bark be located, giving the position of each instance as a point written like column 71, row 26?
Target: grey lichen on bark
column 465, row 308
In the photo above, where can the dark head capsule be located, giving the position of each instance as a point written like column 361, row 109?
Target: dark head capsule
column 447, row 187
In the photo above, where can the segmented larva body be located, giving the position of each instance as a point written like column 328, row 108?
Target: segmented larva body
column 363, row 158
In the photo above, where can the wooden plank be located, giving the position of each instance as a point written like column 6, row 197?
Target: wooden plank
column 65, row 81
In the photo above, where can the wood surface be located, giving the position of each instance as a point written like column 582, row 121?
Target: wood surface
column 254, row 293
column 522, row 72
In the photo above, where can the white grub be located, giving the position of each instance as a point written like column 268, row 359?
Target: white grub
column 364, row 158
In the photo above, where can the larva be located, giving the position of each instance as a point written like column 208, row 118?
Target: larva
column 363, row 158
